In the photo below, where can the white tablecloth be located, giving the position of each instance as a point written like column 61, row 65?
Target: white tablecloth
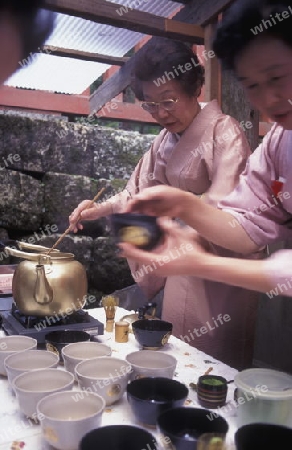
column 191, row 363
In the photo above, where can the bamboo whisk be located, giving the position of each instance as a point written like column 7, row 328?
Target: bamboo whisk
column 69, row 228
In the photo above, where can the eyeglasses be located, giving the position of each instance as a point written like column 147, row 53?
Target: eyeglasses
column 167, row 105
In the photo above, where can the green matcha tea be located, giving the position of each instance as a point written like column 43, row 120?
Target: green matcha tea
column 212, row 382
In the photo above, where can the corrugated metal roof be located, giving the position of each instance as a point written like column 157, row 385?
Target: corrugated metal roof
column 71, row 76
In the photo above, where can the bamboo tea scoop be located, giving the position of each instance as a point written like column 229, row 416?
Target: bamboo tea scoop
column 69, row 228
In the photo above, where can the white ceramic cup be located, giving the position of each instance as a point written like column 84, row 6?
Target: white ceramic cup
column 14, row 344
column 107, row 376
column 149, row 363
column 29, row 360
column 65, row 417
column 31, row 387
column 80, row 351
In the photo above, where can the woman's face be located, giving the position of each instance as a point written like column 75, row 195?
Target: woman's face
column 265, row 70
column 185, row 109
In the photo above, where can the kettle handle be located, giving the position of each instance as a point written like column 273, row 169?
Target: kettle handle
column 37, row 248
column 45, row 259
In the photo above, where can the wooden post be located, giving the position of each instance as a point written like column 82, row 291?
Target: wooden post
column 235, row 103
column 212, row 67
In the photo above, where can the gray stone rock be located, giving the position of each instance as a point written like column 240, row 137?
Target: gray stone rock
column 63, row 193
column 116, row 153
column 47, row 167
column 109, row 272
column 22, row 201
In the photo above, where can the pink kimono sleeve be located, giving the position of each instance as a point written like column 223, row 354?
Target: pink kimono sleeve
column 278, row 269
column 252, row 202
column 231, row 151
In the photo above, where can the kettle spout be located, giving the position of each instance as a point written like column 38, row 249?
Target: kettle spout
column 43, row 292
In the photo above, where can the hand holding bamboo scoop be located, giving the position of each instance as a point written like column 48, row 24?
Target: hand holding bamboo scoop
column 69, row 228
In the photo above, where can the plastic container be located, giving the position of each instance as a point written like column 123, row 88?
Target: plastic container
column 264, row 395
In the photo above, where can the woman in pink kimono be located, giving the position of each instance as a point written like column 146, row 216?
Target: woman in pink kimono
column 201, row 151
column 259, row 210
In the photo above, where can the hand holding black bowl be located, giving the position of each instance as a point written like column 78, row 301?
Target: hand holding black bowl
column 140, row 230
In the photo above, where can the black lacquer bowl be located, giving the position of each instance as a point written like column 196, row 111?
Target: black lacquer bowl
column 152, row 334
column 263, row 436
column 183, row 426
column 118, row 437
column 56, row 340
column 138, row 229
column 149, row 397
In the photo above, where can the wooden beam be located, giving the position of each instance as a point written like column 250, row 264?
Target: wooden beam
column 120, row 16
column 112, row 87
column 11, row 97
column 125, row 111
column 184, row 29
column 202, row 12
column 212, row 68
column 85, row 56
column 198, row 11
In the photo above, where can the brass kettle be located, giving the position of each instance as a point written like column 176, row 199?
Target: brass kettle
column 44, row 285
column 141, row 313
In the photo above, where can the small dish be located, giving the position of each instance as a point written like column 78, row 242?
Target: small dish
column 137, row 229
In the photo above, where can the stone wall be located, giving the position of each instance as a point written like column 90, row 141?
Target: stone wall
column 47, row 167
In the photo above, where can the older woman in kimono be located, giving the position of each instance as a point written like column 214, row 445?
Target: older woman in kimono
column 254, row 40
column 201, row 151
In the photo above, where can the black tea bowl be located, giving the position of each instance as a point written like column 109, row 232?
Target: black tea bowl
column 149, row 397
column 118, row 437
column 152, row 334
column 56, row 340
column 212, row 391
column 263, row 436
column 138, row 229
column 181, row 427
